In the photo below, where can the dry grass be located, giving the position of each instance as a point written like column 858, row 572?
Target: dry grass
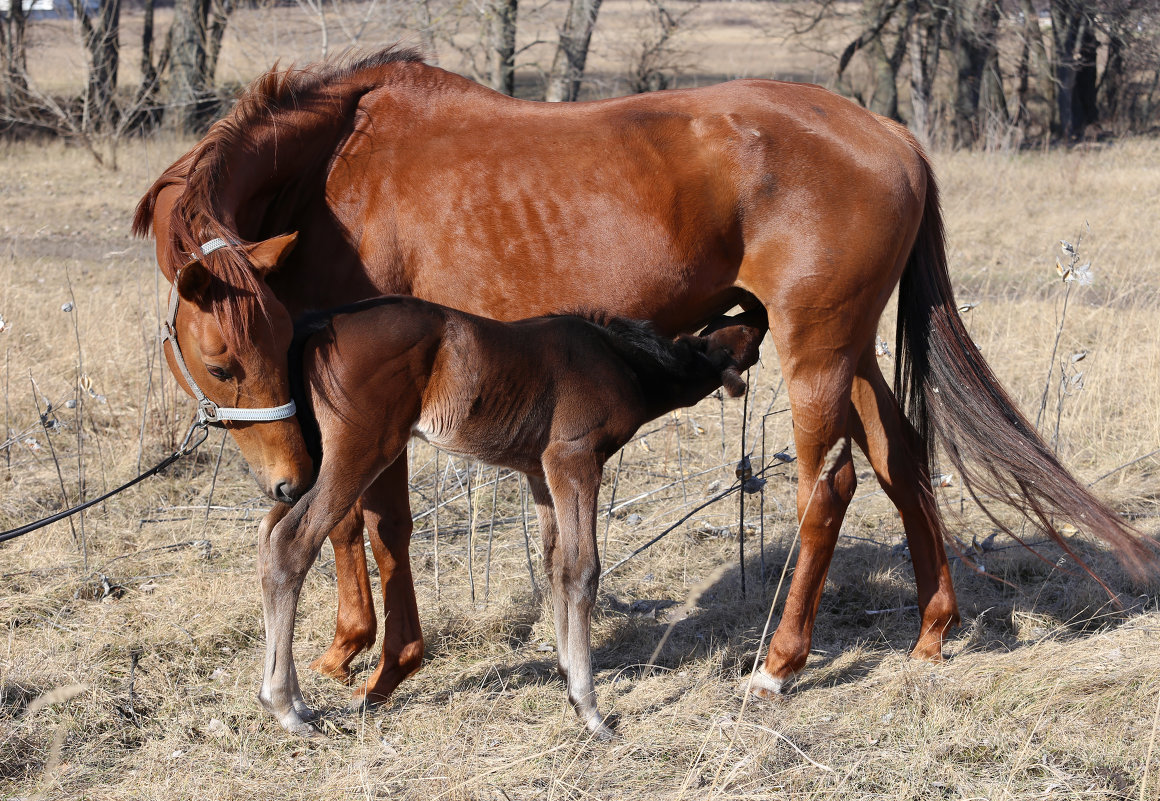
column 1048, row 692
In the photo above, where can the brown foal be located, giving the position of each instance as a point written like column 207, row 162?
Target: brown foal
column 553, row 397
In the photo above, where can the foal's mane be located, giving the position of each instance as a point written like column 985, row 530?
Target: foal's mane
column 267, row 105
column 643, row 348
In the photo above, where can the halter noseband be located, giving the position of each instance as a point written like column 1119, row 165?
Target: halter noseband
column 208, row 412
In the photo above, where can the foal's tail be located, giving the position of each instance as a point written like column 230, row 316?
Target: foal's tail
column 950, row 394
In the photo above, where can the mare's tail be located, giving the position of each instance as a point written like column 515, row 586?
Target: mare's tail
column 950, row 394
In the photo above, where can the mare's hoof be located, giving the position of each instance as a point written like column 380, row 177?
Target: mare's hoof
column 358, row 705
column 764, row 685
column 331, row 668
column 928, row 652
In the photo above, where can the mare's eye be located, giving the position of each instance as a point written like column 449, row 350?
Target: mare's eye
column 220, row 373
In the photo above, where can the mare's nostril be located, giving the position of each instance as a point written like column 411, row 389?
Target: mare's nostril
column 285, row 492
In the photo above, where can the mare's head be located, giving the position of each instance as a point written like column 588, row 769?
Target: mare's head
column 732, row 345
column 234, row 340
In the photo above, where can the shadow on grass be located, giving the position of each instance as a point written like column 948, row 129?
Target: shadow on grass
column 868, row 614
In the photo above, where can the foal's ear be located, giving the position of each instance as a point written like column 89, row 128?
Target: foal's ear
column 193, row 282
column 266, row 257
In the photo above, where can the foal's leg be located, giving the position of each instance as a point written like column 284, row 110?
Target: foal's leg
column 264, row 528
column 891, row 443
column 386, row 505
column 285, row 552
column 553, row 565
column 573, row 475
column 355, row 626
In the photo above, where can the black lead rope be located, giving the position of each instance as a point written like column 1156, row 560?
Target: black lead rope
column 188, row 445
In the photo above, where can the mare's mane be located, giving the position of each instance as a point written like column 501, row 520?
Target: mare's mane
column 267, row 103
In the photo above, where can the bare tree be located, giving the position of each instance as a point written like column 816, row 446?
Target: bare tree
column 656, row 55
column 572, row 50
column 924, row 44
column 884, row 60
column 13, row 85
column 501, row 45
column 101, row 35
column 976, row 52
column 1035, row 94
column 195, row 42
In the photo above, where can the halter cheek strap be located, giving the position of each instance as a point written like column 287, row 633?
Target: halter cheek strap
column 208, row 412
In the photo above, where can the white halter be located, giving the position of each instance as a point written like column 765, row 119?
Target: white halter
column 209, row 412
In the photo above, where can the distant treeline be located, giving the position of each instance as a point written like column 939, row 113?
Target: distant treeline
column 963, row 73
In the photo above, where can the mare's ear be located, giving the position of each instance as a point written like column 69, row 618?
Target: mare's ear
column 193, row 283
column 266, row 257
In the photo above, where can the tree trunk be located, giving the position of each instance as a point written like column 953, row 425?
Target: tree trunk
column 1036, row 94
column 975, row 25
column 572, row 51
column 14, row 69
column 501, row 45
column 992, row 97
column 1067, row 21
column 884, row 99
column 102, row 39
column 187, row 64
column 924, row 43
column 1113, row 83
column 105, row 55
column 1087, row 111
column 218, row 15
column 148, row 70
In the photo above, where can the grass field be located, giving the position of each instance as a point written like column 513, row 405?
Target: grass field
column 140, row 630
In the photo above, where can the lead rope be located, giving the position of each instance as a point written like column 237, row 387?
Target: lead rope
column 193, row 438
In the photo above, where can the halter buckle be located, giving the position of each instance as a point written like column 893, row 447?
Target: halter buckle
column 207, row 411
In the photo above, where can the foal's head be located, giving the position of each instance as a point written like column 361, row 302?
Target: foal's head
column 234, row 340
column 733, row 344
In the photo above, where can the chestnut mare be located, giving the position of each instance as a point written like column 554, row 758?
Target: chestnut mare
column 401, row 178
column 552, row 397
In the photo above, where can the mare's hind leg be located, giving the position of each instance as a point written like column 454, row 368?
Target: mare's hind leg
column 899, row 461
column 819, row 375
column 573, row 476
column 355, row 625
column 387, row 508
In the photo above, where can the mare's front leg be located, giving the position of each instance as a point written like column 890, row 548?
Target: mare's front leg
column 387, row 509
column 355, row 624
column 573, row 475
column 288, row 543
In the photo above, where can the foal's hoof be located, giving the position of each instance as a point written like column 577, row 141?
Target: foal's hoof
column 601, row 728
column 294, row 719
column 764, row 685
column 303, row 711
column 299, row 727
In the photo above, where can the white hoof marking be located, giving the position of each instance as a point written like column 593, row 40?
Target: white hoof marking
column 763, row 682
